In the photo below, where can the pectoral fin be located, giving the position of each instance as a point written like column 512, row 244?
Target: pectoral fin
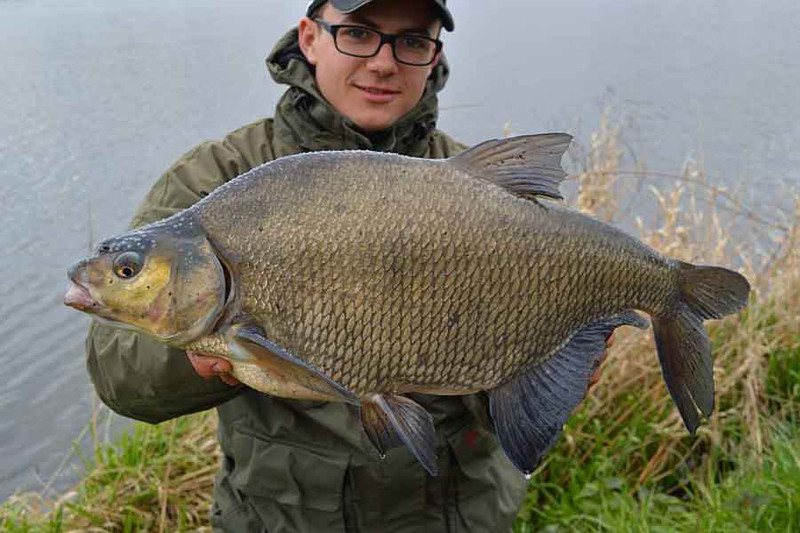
column 249, row 342
column 530, row 411
column 392, row 420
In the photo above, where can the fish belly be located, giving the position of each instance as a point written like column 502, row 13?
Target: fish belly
column 254, row 376
column 253, row 373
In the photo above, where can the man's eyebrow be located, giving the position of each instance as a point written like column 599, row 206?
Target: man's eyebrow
column 358, row 18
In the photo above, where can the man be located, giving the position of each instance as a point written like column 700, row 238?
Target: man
column 362, row 74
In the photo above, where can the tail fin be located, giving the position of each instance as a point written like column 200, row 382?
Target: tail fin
column 684, row 349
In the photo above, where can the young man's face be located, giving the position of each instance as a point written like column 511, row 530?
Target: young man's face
column 373, row 92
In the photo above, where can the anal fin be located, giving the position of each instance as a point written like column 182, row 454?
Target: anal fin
column 392, row 420
column 530, row 410
column 250, row 343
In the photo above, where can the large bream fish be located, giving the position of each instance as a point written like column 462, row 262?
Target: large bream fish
column 359, row 276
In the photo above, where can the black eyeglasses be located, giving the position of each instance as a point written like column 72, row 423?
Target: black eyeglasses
column 360, row 41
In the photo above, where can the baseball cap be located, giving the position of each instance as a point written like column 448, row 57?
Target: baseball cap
column 349, row 6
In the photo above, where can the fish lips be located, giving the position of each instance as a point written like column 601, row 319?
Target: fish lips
column 78, row 295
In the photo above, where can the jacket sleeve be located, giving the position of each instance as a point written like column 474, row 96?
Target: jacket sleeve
column 133, row 374
column 443, row 146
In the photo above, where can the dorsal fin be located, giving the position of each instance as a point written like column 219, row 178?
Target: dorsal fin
column 526, row 166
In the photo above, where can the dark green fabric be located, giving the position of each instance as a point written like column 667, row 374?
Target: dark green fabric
column 293, row 465
column 348, row 6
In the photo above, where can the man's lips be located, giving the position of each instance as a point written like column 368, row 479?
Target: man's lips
column 377, row 94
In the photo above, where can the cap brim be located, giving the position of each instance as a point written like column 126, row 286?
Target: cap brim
column 348, row 6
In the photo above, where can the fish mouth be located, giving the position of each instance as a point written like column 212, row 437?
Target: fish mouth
column 79, row 297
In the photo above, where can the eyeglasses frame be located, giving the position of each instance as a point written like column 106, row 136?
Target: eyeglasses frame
column 390, row 38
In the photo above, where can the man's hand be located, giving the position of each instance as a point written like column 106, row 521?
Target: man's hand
column 208, row 366
column 596, row 376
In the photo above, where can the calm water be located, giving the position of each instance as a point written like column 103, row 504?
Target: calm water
column 97, row 99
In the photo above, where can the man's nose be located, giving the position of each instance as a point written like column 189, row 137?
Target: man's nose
column 384, row 61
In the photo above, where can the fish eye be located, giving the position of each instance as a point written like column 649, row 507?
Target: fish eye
column 127, row 265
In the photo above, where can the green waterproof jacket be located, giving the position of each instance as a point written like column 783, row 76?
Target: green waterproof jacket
column 292, row 465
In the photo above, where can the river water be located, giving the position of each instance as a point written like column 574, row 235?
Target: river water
column 98, row 98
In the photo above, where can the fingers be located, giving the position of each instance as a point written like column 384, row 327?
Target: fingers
column 208, row 366
column 610, row 340
column 596, row 375
column 228, row 379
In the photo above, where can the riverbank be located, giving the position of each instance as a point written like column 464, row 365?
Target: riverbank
column 624, row 462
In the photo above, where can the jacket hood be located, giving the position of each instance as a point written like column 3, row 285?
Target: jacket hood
column 305, row 121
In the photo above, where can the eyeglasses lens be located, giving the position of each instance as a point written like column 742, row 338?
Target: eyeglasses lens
column 364, row 42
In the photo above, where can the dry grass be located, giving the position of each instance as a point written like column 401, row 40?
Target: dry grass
column 697, row 222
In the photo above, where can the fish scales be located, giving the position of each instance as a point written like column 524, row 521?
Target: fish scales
column 414, row 255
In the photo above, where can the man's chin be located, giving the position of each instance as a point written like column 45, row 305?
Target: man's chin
column 375, row 123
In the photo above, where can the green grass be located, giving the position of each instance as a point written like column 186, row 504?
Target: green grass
column 761, row 494
column 783, row 380
column 152, row 478
column 707, row 487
